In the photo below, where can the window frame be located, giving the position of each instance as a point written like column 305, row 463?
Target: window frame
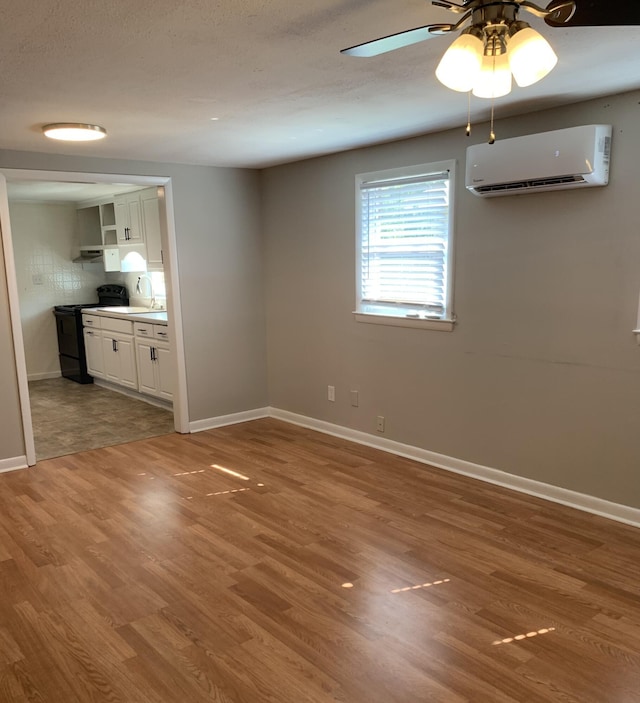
column 407, row 315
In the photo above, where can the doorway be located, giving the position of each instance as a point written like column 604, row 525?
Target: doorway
column 130, row 406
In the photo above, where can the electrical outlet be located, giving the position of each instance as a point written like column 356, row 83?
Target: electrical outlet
column 354, row 399
column 380, row 423
column 331, row 393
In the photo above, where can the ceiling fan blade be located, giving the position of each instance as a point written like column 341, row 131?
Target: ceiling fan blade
column 397, row 41
column 592, row 13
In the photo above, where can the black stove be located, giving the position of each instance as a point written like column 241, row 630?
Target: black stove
column 71, row 309
column 73, row 360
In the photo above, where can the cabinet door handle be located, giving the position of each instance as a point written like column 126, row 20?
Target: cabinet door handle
column 151, row 353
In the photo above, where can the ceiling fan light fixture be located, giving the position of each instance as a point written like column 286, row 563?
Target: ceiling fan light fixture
column 74, row 132
column 461, row 64
column 531, row 57
column 494, row 80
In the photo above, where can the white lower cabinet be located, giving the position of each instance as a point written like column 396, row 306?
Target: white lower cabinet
column 93, row 350
column 135, row 355
column 165, row 371
column 119, row 359
column 155, row 372
column 146, row 368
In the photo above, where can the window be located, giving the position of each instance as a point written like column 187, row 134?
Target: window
column 404, row 246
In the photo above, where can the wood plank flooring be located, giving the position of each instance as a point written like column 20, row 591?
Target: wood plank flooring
column 317, row 571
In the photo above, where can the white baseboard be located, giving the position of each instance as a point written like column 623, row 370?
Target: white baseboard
column 13, row 464
column 44, row 375
column 130, row 393
column 580, row 501
column 233, row 419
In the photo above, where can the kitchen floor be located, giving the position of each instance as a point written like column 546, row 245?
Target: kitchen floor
column 69, row 417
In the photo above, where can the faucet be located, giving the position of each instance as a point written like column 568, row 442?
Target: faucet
column 139, row 289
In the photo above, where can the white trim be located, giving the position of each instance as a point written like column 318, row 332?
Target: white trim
column 233, row 419
column 13, row 464
column 27, row 174
column 16, row 325
column 168, row 233
column 448, row 165
column 580, row 501
column 43, row 376
column 174, row 307
column 397, row 321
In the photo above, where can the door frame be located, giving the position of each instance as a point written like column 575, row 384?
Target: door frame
column 174, row 308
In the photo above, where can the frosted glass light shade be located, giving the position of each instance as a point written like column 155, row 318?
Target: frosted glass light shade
column 531, row 57
column 460, row 65
column 494, row 80
column 74, row 132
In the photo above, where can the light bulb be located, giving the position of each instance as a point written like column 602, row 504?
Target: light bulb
column 460, row 65
column 494, row 79
column 531, row 57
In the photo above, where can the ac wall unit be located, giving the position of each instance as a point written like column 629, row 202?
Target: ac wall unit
column 577, row 157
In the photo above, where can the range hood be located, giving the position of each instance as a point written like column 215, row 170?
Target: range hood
column 90, row 255
column 107, row 255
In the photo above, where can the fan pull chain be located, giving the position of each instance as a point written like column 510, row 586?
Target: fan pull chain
column 469, row 115
column 492, row 134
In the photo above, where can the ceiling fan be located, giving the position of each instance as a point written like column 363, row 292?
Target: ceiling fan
column 494, row 44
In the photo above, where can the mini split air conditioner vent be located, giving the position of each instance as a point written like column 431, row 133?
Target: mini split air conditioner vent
column 577, row 157
column 540, row 184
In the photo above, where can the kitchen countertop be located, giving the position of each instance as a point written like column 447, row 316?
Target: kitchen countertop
column 157, row 317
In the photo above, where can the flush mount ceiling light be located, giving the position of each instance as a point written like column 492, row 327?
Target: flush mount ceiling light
column 495, row 45
column 74, row 132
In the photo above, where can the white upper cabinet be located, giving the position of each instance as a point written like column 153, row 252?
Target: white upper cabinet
column 137, row 222
column 150, row 214
column 128, row 221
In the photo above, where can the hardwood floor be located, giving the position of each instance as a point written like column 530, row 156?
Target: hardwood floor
column 317, row 571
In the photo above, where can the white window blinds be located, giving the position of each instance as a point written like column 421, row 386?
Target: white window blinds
column 405, row 234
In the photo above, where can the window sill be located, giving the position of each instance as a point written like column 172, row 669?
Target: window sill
column 398, row 321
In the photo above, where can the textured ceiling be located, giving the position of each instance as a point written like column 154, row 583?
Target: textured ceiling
column 155, row 73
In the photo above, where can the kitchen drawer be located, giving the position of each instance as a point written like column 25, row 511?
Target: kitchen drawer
column 111, row 324
column 161, row 332
column 143, row 329
column 91, row 320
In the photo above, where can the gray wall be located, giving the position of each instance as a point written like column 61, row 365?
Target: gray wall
column 220, row 268
column 541, row 376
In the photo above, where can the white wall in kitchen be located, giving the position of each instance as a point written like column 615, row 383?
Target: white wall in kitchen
column 44, row 241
